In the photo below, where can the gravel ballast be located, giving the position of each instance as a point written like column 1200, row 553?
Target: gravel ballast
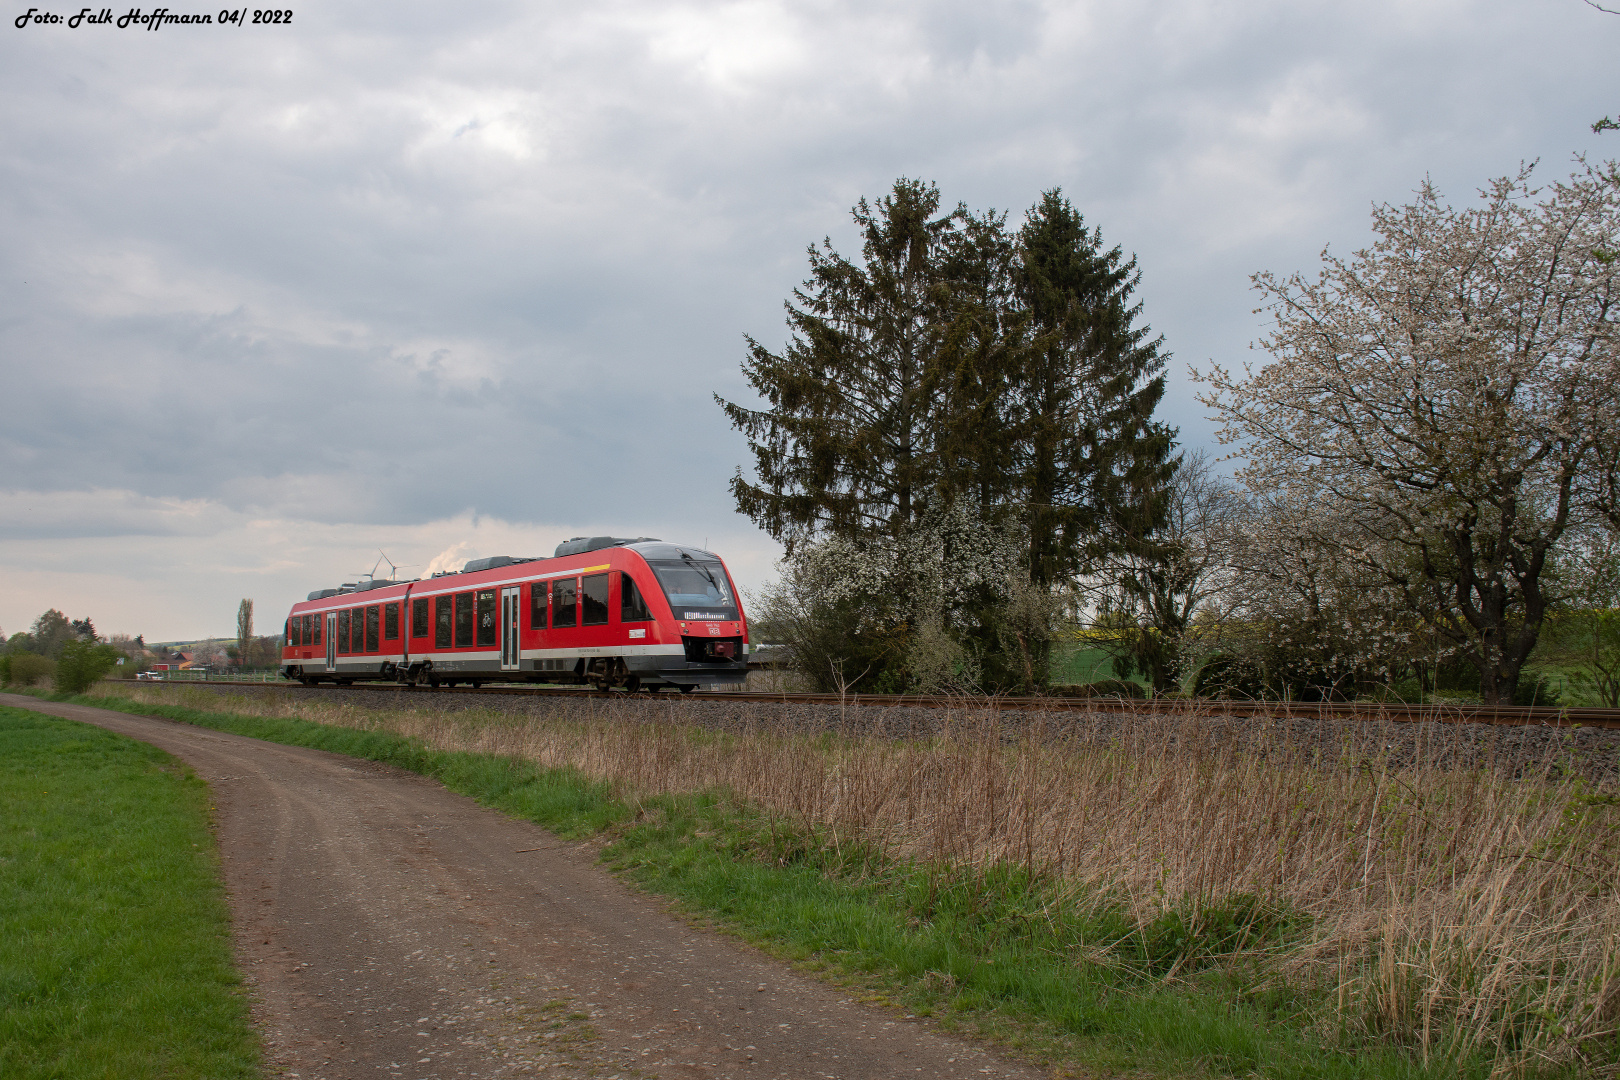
column 1518, row 749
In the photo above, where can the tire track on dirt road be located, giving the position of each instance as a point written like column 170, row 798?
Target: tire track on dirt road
column 390, row 928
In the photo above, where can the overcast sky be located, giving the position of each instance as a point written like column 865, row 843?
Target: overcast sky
column 454, row 280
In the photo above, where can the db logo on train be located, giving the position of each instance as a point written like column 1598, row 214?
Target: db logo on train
column 714, row 629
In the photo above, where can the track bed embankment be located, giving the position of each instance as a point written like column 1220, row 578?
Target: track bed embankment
column 1513, row 747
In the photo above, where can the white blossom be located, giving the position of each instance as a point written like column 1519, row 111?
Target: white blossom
column 1444, row 406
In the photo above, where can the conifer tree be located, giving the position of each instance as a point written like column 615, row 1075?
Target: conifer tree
column 1092, row 463
column 962, row 368
column 848, row 443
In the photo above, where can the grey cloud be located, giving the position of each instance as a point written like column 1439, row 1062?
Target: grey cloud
column 399, row 262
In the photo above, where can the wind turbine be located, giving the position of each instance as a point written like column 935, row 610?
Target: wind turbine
column 393, row 569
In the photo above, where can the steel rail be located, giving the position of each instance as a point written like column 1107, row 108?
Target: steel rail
column 1538, row 715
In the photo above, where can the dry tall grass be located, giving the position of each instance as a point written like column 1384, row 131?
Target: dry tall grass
column 1452, row 907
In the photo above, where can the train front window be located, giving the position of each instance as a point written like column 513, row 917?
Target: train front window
column 697, row 588
column 632, row 607
column 593, row 595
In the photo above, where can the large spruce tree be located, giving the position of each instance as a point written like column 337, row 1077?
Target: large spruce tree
column 1091, row 463
column 849, row 442
column 959, row 361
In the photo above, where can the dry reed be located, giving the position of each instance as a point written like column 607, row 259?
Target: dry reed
column 1457, row 901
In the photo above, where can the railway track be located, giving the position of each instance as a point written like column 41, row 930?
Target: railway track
column 1541, row 716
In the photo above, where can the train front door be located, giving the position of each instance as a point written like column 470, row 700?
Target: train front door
column 331, row 641
column 509, row 629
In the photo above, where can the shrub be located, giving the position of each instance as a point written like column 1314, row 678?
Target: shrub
column 82, row 663
column 1226, row 676
column 1535, row 690
column 1533, row 687
column 26, row 669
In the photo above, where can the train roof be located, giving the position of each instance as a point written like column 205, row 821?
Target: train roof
column 645, row 546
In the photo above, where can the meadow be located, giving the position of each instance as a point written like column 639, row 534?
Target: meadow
column 1157, row 892
column 115, row 953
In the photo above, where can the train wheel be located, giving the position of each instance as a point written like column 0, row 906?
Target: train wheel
column 633, row 683
column 687, row 688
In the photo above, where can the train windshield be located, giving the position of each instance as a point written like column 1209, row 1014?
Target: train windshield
column 697, row 588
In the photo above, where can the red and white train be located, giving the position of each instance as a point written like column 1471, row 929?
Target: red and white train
column 603, row 610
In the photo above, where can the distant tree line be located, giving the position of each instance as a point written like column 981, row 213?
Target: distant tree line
column 66, row 651
column 957, row 448
column 70, row 654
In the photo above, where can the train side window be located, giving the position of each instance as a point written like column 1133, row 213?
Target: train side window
column 446, row 619
column 371, row 628
column 464, row 619
column 320, row 618
column 343, row 630
column 486, row 616
column 632, row 605
column 419, row 617
column 390, row 622
column 537, row 606
column 310, row 622
column 562, row 601
column 593, row 596
column 357, row 624
column 296, row 634
column 289, row 631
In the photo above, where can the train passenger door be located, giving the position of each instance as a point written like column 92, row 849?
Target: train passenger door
column 331, row 641
column 509, row 628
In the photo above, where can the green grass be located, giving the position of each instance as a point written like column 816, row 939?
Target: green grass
column 990, row 952
column 1073, row 664
column 115, row 954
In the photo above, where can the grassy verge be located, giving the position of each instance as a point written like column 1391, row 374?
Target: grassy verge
column 1071, row 979
column 115, row 955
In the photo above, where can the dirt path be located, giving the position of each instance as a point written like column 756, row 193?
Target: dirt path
column 389, row 928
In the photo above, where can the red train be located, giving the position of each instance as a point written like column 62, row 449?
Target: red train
column 603, row 610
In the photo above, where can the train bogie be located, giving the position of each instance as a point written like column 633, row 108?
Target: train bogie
column 605, row 612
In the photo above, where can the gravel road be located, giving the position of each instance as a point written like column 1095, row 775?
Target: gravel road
column 389, row 928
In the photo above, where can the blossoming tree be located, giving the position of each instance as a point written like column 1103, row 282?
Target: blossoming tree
column 1450, row 397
